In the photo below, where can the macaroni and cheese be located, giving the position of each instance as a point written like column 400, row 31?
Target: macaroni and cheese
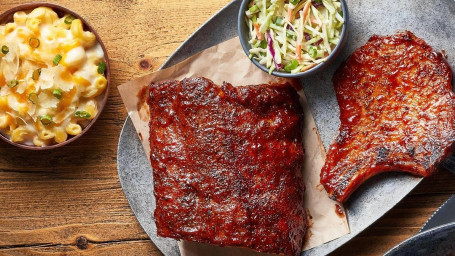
column 51, row 74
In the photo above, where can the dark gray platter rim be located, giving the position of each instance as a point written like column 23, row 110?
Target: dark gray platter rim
column 374, row 198
column 436, row 241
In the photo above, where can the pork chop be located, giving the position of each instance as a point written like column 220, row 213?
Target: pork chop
column 397, row 112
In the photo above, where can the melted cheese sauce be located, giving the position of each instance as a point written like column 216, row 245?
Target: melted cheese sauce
column 42, row 101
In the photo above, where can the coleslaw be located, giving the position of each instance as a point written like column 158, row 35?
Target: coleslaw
column 293, row 35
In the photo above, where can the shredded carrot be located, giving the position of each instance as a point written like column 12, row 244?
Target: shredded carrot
column 308, row 67
column 259, row 34
column 306, row 10
column 290, row 16
column 299, row 36
column 298, row 49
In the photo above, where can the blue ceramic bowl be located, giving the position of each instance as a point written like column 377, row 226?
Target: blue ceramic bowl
column 244, row 38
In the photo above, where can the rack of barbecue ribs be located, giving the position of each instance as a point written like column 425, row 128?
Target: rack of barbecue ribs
column 397, row 112
column 227, row 164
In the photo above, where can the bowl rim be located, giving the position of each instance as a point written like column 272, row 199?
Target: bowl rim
column 6, row 16
column 448, row 227
column 241, row 25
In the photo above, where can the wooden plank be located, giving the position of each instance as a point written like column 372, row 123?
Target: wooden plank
column 58, row 210
column 84, row 247
column 443, row 181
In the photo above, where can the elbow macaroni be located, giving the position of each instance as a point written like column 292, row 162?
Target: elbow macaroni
column 87, row 38
column 42, row 103
column 73, row 129
column 20, row 18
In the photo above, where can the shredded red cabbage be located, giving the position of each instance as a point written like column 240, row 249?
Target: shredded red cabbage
column 307, row 36
column 316, row 4
column 272, row 51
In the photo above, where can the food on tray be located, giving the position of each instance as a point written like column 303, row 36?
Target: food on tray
column 397, row 113
column 227, row 164
column 293, row 36
column 51, row 72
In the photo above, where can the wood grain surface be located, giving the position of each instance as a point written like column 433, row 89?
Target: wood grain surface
column 69, row 201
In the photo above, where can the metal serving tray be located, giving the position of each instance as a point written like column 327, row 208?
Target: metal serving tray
column 434, row 22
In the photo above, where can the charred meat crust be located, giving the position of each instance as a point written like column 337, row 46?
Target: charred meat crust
column 227, row 164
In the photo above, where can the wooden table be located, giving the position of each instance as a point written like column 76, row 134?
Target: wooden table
column 69, row 201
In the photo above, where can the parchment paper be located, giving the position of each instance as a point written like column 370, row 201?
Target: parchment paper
column 227, row 62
